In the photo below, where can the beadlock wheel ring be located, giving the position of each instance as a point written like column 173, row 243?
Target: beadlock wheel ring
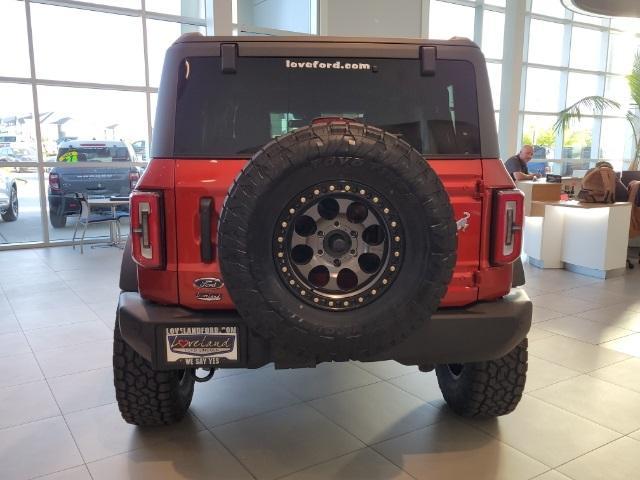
column 338, row 245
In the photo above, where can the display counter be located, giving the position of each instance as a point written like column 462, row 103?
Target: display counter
column 586, row 238
column 538, row 191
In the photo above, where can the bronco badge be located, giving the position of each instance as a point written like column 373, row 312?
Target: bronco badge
column 211, row 282
column 209, row 297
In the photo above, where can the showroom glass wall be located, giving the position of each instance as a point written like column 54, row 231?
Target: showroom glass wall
column 567, row 57
column 85, row 70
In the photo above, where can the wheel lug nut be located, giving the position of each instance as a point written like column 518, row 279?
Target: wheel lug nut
column 354, row 234
column 336, row 262
column 320, row 252
column 320, row 233
column 337, row 224
column 353, row 252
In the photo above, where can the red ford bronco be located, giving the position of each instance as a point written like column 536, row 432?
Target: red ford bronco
column 318, row 200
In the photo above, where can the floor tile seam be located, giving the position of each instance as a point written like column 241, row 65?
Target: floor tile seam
column 588, row 375
column 584, row 454
column 151, row 443
column 578, row 374
column 366, row 447
column 62, row 347
column 76, row 373
column 564, row 366
column 228, row 448
column 356, row 363
column 225, row 447
column 541, row 474
column 595, row 322
column 48, row 417
column 60, row 325
column 605, row 323
column 631, row 332
column 75, row 290
column 620, row 434
column 61, row 471
column 603, row 290
column 246, row 417
column 469, row 423
column 74, row 344
column 73, row 412
column 410, row 393
column 57, row 403
column 386, row 439
column 306, row 400
column 299, row 402
column 582, row 341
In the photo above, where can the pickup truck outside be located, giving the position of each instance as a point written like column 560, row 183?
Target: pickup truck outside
column 73, row 175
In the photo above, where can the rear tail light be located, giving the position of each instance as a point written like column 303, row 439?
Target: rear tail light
column 54, row 182
column 147, row 248
column 133, row 179
column 508, row 218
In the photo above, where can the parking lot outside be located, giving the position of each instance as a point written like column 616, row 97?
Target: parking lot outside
column 28, row 227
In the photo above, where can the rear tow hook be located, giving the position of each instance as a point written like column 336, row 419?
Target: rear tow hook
column 206, row 378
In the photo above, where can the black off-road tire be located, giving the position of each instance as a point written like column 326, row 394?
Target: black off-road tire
column 57, row 221
column 485, row 389
column 309, row 160
column 11, row 214
column 148, row 397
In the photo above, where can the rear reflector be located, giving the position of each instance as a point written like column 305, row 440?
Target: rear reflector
column 508, row 218
column 147, row 247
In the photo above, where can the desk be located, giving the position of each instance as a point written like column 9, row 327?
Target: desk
column 586, row 238
column 101, row 202
column 539, row 190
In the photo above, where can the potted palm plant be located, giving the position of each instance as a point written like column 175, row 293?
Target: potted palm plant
column 597, row 104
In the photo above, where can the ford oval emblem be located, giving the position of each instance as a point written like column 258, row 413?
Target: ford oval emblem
column 211, row 282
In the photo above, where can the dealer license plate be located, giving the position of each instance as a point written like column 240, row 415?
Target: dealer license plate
column 201, row 346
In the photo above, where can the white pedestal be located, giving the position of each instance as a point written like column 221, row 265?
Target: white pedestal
column 590, row 239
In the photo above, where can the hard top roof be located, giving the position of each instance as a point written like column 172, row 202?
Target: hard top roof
column 196, row 37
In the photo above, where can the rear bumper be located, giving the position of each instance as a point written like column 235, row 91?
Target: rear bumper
column 482, row 331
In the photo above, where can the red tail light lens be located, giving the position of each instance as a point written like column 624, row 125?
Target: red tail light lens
column 147, row 247
column 54, row 182
column 133, row 179
column 508, row 219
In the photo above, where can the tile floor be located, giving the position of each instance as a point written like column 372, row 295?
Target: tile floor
column 579, row 418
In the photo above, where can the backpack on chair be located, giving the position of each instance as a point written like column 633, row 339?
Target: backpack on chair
column 599, row 184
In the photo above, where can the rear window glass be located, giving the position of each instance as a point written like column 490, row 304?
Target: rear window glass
column 93, row 154
column 236, row 114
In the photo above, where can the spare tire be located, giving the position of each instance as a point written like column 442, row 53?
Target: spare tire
column 336, row 241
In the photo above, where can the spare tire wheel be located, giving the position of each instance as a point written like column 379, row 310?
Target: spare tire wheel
column 336, row 241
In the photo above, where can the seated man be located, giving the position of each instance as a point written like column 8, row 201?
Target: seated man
column 517, row 165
